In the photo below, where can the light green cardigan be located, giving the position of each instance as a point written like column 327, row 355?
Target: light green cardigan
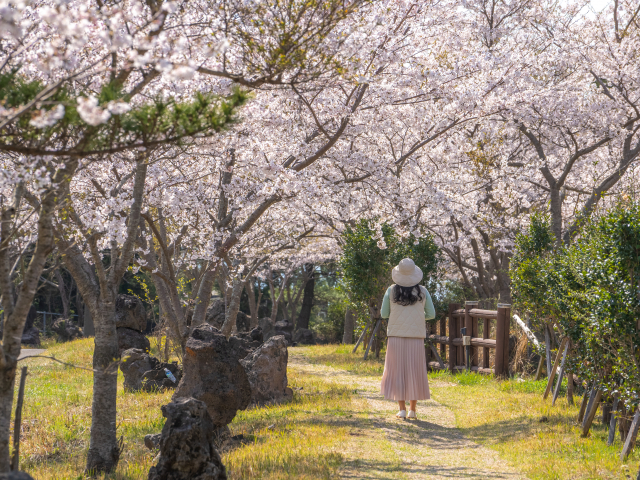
column 385, row 311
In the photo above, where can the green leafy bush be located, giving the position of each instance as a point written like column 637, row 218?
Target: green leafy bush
column 590, row 290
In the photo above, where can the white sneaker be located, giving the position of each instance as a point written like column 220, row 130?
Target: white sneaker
column 402, row 414
column 412, row 414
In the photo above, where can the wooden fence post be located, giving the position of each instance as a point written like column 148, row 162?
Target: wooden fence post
column 443, row 333
column 502, row 340
column 472, row 329
column 453, row 354
column 486, row 333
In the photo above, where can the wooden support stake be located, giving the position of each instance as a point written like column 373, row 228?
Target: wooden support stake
column 539, row 370
column 547, row 345
column 560, row 374
column 631, row 436
column 552, row 373
column 373, row 336
column 583, row 405
column 435, row 352
column 366, row 327
column 15, row 458
column 591, row 412
column 614, row 420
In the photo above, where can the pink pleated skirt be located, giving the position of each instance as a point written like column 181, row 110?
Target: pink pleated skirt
column 405, row 370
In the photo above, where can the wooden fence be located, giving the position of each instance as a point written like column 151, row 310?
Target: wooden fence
column 495, row 323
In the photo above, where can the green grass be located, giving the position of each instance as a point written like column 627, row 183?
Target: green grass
column 300, row 439
column 510, row 416
column 340, row 356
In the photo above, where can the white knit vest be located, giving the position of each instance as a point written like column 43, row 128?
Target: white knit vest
column 407, row 321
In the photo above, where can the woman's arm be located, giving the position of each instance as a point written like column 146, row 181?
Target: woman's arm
column 429, row 309
column 385, row 311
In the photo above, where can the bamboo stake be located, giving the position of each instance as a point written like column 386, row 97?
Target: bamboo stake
column 614, row 420
column 631, row 436
column 15, row 458
column 366, row 327
column 583, row 406
column 552, row 373
column 539, row 370
column 547, row 345
column 373, row 336
column 591, row 413
column 560, row 375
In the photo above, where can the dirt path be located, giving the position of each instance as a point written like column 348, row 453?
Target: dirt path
column 383, row 447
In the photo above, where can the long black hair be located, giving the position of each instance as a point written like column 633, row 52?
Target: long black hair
column 407, row 295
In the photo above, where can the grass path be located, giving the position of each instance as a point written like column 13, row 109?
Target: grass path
column 431, row 447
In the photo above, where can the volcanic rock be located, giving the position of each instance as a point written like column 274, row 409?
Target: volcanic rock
column 15, row 476
column 245, row 343
column 213, row 374
column 66, row 330
column 130, row 313
column 304, row 336
column 31, row 336
column 128, row 338
column 187, row 450
column 266, row 369
column 135, row 363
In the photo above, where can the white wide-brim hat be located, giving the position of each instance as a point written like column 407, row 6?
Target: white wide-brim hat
column 406, row 274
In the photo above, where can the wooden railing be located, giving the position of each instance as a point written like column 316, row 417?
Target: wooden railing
column 449, row 335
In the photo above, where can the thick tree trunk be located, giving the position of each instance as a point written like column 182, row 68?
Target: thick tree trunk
column 349, row 327
column 7, row 381
column 104, row 451
column 234, row 306
column 307, row 299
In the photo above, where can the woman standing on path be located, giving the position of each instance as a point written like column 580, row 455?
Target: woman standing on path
column 406, row 304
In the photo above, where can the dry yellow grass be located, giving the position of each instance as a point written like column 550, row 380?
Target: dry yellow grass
column 301, row 439
column 506, row 416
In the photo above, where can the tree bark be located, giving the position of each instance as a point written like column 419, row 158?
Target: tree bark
column 17, row 306
column 349, row 327
column 63, row 293
column 307, row 299
column 234, row 306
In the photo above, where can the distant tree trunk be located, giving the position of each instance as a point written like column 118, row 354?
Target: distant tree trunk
column 349, row 327
column 63, row 293
column 231, row 313
column 253, row 304
column 307, row 299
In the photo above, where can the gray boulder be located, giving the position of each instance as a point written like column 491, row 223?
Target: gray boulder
column 143, row 372
column 135, row 362
column 15, row 476
column 215, row 314
column 304, row 336
column 212, row 373
column 266, row 369
column 128, row 338
column 130, row 313
column 157, row 380
column 245, row 343
column 284, row 328
column 266, row 326
column 187, row 450
column 152, row 441
column 31, row 336
column 66, row 330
